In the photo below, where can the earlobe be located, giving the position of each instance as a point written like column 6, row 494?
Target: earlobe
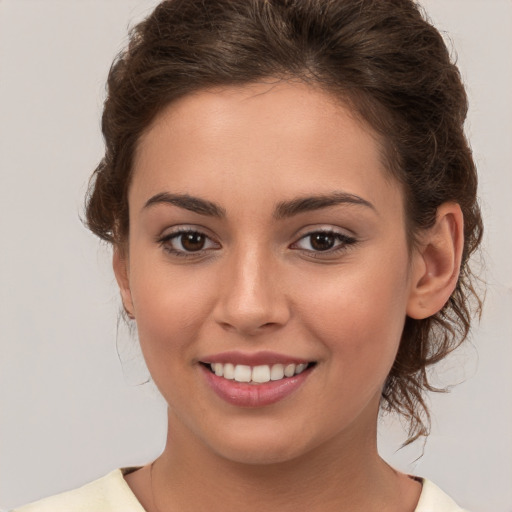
column 436, row 263
column 120, row 265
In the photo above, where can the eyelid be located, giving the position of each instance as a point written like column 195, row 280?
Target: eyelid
column 170, row 231
column 324, row 228
column 176, row 231
column 345, row 240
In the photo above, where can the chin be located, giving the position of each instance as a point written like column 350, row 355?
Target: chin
column 258, row 456
column 261, row 448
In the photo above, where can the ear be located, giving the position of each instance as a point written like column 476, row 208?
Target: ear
column 120, row 265
column 436, row 263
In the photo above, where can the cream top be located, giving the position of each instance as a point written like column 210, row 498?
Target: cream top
column 111, row 493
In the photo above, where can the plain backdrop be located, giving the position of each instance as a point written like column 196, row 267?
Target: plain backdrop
column 69, row 410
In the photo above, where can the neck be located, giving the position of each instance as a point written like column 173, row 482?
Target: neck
column 343, row 474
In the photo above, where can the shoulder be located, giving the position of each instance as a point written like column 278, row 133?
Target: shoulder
column 108, row 494
column 433, row 499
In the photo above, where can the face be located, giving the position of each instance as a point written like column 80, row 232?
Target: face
column 267, row 269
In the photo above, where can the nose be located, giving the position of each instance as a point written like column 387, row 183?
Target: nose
column 251, row 299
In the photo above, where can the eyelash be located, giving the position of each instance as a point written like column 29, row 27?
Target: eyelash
column 345, row 242
column 164, row 242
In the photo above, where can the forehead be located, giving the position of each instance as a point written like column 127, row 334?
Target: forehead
column 287, row 136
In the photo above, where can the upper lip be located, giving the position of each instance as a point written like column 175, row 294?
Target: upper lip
column 253, row 359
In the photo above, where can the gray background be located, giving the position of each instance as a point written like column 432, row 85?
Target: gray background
column 69, row 412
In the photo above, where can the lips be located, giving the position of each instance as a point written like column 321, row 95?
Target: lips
column 255, row 380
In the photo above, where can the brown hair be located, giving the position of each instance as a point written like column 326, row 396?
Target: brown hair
column 383, row 57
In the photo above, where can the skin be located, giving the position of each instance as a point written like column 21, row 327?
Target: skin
column 259, row 284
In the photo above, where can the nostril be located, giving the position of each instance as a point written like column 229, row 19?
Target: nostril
column 248, row 327
column 227, row 326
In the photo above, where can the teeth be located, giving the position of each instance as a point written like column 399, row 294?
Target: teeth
column 289, row 370
column 257, row 374
column 229, row 371
column 300, row 368
column 243, row 373
column 277, row 372
column 261, row 374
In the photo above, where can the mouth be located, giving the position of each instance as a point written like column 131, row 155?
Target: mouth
column 259, row 374
column 255, row 379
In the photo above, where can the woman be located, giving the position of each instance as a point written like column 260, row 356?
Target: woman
column 292, row 204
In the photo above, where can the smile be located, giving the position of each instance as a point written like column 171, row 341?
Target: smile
column 256, row 384
column 257, row 374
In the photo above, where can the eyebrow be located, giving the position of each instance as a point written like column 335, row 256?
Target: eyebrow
column 283, row 210
column 187, row 202
column 288, row 209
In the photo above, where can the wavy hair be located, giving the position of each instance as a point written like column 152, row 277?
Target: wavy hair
column 382, row 57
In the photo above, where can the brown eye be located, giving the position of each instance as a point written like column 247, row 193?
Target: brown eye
column 326, row 241
column 322, row 241
column 192, row 241
column 187, row 243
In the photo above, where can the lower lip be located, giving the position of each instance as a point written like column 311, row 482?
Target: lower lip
column 243, row 394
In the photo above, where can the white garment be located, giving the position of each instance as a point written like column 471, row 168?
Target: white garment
column 112, row 494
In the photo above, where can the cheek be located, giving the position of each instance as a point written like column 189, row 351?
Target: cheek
column 359, row 317
column 170, row 308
